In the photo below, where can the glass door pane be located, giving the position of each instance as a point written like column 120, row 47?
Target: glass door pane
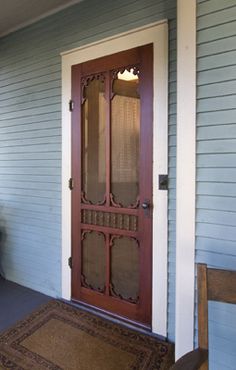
column 125, row 136
column 93, row 260
column 93, row 142
column 125, row 269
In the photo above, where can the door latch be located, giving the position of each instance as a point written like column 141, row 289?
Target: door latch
column 146, row 207
column 163, row 182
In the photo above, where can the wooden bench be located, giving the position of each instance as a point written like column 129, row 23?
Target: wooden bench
column 213, row 285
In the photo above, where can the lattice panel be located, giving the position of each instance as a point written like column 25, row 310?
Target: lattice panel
column 108, row 219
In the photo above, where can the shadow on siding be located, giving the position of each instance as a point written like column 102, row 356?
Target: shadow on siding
column 3, row 237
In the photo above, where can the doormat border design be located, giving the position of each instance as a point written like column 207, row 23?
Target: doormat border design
column 151, row 353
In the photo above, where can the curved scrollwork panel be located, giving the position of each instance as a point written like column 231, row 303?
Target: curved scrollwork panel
column 125, row 266
column 86, row 81
column 93, row 274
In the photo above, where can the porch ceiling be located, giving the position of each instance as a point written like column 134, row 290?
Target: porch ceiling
column 15, row 14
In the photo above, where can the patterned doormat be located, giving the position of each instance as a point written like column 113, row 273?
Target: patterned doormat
column 59, row 336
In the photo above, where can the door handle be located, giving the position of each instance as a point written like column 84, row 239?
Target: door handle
column 146, row 206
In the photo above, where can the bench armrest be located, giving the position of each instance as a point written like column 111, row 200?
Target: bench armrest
column 192, row 360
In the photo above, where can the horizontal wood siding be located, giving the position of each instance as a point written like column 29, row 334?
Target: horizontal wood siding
column 172, row 180
column 30, row 133
column 216, row 162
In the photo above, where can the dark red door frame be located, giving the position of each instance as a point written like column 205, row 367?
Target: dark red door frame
column 140, row 311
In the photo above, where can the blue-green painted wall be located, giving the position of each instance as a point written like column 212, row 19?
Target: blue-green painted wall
column 30, row 134
column 216, row 162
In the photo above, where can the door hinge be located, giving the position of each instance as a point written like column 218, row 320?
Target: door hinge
column 70, row 262
column 163, row 182
column 71, row 184
column 71, row 105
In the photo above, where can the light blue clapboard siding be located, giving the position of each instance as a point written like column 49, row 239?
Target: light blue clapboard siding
column 216, row 162
column 172, row 177
column 30, row 133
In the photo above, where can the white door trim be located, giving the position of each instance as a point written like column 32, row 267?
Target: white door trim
column 185, row 175
column 156, row 33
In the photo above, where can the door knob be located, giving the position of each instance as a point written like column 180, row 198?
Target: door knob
column 145, row 206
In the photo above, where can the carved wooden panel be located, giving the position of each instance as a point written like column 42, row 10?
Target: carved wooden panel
column 109, row 219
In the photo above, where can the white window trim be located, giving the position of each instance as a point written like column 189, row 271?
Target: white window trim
column 185, row 176
column 156, row 33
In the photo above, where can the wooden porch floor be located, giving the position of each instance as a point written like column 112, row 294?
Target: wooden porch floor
column 16, row 302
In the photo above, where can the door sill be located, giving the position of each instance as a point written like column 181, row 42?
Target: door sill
column 115, row 319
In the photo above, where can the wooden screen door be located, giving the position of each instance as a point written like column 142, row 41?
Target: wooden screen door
column 112, row 177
